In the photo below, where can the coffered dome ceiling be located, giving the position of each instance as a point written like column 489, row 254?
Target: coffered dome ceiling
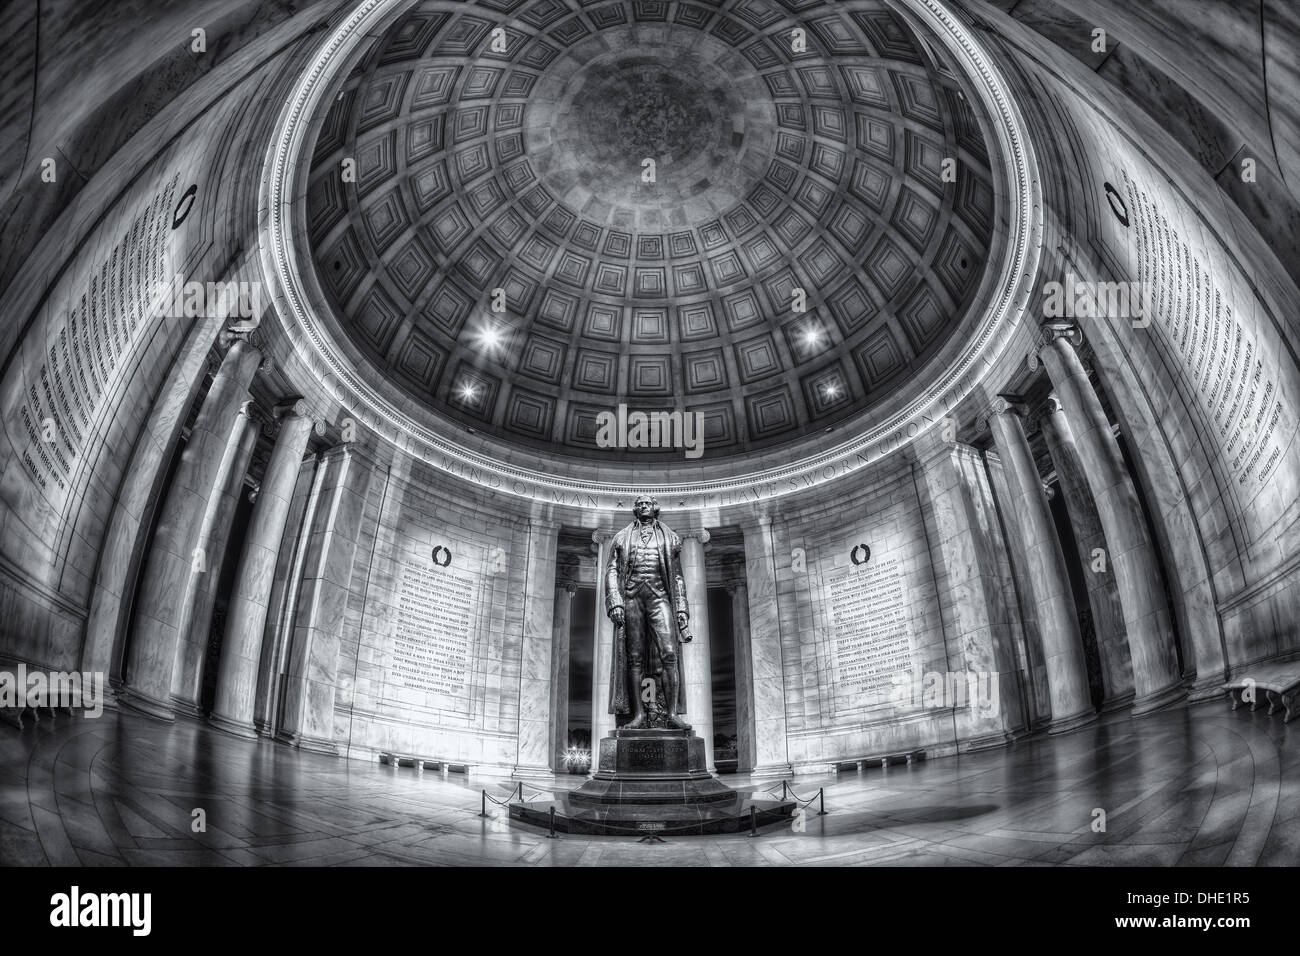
column 479, row 170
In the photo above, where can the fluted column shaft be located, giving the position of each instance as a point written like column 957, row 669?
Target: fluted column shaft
column 766, row 657
column 535, row 697
column 152, row 658
column 1156, row 679
column 1058, row 618
column 560, row 644
column 317, row 627
column 696, row 666
column 965, row 548
column 1103, row 596
column 241, row 648
column 744, row 668
column 602, row 721
column 201, row 593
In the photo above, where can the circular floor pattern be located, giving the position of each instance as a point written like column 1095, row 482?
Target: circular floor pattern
column 1200, row 786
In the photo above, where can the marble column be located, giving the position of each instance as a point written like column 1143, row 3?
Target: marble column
column 565, row 588
column 696, row 663
column 317, row 629
column 1067, row 678
column 281, row 605
column 602, row 721
column 1156, row 678
column 966, row 543
column 535, row 719
column 152, row 657
column 767, row 663
column 739, row 591
column 201, row 588
column 1018, row 593
column 141, row 495
column 241, row 648
column 1186, row 540
column 1103, row 595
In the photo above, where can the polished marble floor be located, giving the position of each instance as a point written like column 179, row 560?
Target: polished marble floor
column 1193, row 786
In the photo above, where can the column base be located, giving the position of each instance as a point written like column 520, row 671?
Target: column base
column 136, row 702
column 112, row 696
column 1122, row 702
column 532, row 773
column 1209, row 688
column 187, row 708
column 235, row 728
column 773, row 771
column 1167, row 697
column 316, row 745
column 994, row 741
column 1067, row 724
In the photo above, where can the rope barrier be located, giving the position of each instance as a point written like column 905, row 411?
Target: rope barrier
column 820, row 795
column 500, row 803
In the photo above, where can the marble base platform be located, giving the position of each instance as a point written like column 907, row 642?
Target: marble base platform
column 652, row 782
column 732, row 815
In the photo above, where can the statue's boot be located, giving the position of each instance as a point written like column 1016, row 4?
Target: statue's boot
column 671, row 681
column 638, row 720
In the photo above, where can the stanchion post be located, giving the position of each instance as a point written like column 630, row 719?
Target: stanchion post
column 552, row 834
column 483, row 802
column 821, row 800
column 753, row 822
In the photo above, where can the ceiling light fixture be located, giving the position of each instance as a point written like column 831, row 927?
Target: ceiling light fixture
column 490, row 337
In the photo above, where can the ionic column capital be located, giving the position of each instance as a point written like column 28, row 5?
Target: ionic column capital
column 299, row 408
column 735, row 574
column 1002, row 405
column 701, row 533
column 566, row 572
column 252, row 336
column 1042, row 416
column 1048, row 335
column 1069, row 331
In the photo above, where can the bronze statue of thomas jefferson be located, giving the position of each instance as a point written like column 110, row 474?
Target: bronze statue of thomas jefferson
column 645, row 597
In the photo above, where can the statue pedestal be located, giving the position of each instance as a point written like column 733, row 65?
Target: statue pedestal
column 652, row 767
column 652, row 782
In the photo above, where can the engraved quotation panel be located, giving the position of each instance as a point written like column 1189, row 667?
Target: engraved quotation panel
column 1212, row 329
column 435, row 622
column 1236, row 381
column 871, row 630
column 93, row 347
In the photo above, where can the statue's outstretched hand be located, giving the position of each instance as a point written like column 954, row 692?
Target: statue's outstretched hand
column 616, row 615
column 683, row 619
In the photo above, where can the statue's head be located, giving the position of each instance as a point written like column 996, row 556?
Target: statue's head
column 645, row 507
